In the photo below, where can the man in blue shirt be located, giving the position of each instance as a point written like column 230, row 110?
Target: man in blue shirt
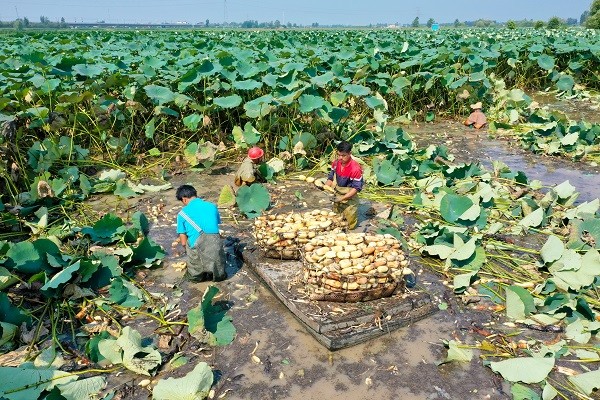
column 198, row 229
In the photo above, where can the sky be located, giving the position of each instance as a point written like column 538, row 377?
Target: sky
column 305, row 12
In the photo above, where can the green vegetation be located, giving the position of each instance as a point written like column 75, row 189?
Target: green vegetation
column 91, row 112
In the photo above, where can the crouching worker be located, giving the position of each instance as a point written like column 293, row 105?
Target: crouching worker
column 248, row 173
column 346, row 179
column 198, row 229
column 477, row 118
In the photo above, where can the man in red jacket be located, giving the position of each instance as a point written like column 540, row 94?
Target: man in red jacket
column 347, row 180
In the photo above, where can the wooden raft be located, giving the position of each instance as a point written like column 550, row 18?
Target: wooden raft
column 337, row 325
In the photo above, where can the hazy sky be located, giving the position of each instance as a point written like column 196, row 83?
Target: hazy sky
column 302, row 12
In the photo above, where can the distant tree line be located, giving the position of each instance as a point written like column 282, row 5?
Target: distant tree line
column 45, row 23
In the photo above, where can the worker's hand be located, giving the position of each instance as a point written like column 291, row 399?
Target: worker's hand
column 338, row 199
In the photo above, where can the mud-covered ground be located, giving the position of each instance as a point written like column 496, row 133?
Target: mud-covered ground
column 293, row 365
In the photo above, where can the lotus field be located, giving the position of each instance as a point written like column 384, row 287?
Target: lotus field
column 93, row 112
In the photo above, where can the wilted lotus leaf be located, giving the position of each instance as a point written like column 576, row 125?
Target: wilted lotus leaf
column 227, row 197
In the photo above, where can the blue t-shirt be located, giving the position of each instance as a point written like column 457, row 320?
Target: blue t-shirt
column 204, row 214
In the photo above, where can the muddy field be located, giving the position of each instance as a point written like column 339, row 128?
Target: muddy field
column 293, row 365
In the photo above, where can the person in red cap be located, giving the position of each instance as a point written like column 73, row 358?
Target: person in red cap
column 248, row 172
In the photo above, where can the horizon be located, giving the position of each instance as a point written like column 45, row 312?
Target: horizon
column 335, row 12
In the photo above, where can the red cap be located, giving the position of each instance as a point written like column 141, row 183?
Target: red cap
column 255, row 153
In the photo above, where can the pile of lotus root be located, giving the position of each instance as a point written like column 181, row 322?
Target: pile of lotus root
column 283, row 235
column 350, row 267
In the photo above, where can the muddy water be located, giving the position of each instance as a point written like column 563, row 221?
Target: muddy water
column 291, row 364
column 469, row 145
column 575, row 109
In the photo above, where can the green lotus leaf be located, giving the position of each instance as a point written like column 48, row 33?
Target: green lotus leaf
column 545, row 62
column 228, row 101
column 26, row 383
column 385, row 171
column 193, row 386
column 253, row 200
column 88, row 70
column 533, row 219
column 247, row 85
column 10, row 313
column 337, row 98
column 457, row 353
column 251, row 135
column 7, row 332
column 565, row 82
column 519, row 303
column 24, row 257
column 127, row 349
column 192, row 121
column 375, row 102
column 586, row 382
column 453, row 206
column 210, row 323
column 357, row 90
column 310, row 103
column 552, row 250
column 159, row 94
column 83, row 389
column 190, row 152
column 125, row 294
column 60, row 279
column 524, row 369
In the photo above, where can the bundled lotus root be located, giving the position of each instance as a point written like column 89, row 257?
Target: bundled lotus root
column 282, row 235
column 354, row 266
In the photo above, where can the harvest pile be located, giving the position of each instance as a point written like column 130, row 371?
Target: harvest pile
column 353, row 267
column 282, row 235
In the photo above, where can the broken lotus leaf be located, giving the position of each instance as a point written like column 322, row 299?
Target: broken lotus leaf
column 193, row 386
column 457, row 353
column 524, row 369
column 587, row 382
column 533, row 219
column 210, row 323
column 519, row 302
column 128, row 350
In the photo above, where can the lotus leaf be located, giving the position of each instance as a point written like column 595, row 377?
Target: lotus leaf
column 453, row 206
column 128, row 350
column 193, row 386
column 228, row 101
column 519, row 303
column 522, row 392
column 524, row 369
column 226, row 197
column 457, row 353
column 83, row 389
column 209, row 322
column 192, row 121
column 586, row 382
column 565, row 82
column 159, row 94
column 545, row 62
column 253, row 200
column 23, row 383
column 250, row 134
column 552, row 249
